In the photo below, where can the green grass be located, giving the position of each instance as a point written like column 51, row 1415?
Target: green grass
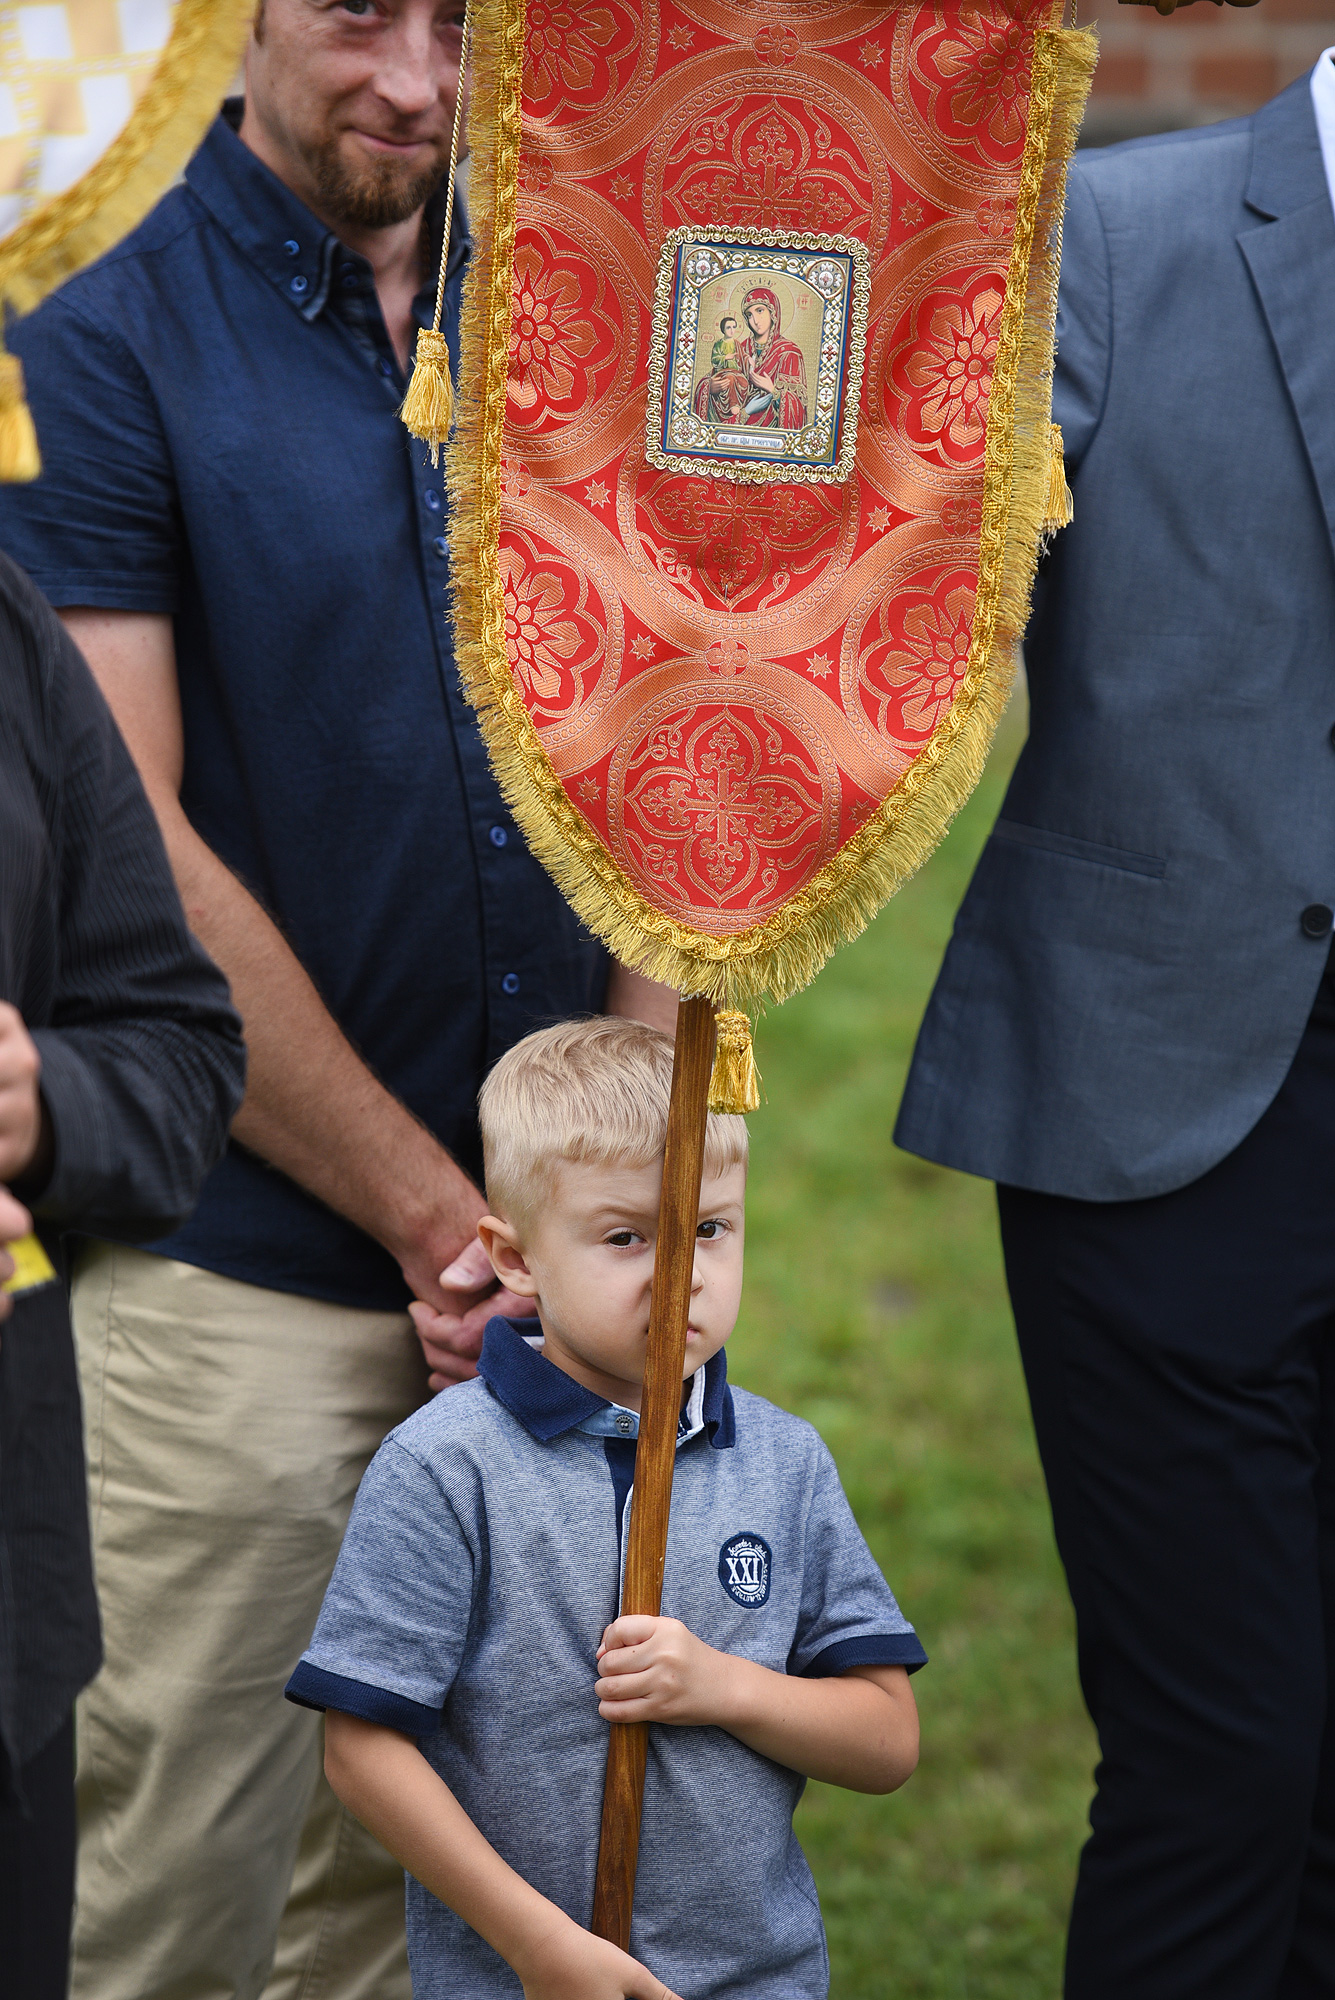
column 875, row 1307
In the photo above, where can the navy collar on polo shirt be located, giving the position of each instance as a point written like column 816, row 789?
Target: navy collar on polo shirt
column 548, row 1402
column 276, row 231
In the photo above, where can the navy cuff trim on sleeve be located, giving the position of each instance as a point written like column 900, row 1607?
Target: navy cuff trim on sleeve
column 874, row 1649
column 110, row 590
column 312, row 1687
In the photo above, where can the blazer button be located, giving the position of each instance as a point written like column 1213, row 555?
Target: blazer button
column 1316, row 920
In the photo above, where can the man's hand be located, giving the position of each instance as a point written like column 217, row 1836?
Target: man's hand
column 15, row 1221
column 25, row 1141
column 655, row 1670
column 312, row 1106
column 452, row 1340
column 572, row 1965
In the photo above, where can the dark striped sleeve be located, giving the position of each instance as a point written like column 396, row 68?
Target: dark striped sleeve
column 142, row 1058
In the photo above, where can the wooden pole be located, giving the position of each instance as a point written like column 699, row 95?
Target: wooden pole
column 646, row 1544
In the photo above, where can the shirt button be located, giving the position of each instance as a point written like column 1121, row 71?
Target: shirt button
column 499, row 836
column 510, row 983
column 432, row 499
column 292, row 248
column 440, row 545
column 297, row 285
column 385, row 367
column 623, row 1423
column 348, row 280
column 1316, row 920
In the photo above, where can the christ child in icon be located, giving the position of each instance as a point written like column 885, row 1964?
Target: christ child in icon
column 728, row 379
column 770, row 367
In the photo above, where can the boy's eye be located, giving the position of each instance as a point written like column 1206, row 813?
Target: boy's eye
column 709, row 1230
column 621, row 1239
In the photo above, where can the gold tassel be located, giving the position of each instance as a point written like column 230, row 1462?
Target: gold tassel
column 20, row 459
column 428, row 407
column 1058, row 508
column 734, row 1086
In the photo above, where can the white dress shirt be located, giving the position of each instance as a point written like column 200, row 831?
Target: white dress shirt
column 1323, row 103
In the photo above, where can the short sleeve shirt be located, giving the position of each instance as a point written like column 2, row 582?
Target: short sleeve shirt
column 479, row 1570
column 217, row 407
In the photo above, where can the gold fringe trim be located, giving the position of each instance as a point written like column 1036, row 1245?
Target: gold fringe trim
column 734, row 1086
column 781, row 955
column 20, row 459
column 143, row 160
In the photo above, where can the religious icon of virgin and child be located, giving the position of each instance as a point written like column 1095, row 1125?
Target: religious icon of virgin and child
column 760, row 380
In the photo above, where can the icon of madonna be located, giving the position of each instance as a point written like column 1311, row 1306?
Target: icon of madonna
column 772, row 392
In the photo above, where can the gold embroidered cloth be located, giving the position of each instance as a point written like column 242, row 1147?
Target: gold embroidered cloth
column 732, row 688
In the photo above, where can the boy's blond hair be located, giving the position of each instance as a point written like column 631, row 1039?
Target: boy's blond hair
column 594, row 1091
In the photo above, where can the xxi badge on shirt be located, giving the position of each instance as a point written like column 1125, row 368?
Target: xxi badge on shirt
column 754, row 450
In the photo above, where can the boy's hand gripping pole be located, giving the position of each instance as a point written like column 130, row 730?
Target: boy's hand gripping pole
column 646, row 1544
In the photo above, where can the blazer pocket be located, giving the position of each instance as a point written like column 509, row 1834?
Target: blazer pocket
column 1015, row 834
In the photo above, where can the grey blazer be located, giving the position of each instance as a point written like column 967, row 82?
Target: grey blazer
column 1130, row 971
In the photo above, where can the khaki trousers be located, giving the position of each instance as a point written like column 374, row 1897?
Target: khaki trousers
column 227, row 1429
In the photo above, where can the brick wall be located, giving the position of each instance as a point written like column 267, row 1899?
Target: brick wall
column 1201, row 63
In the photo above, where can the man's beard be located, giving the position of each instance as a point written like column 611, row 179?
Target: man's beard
column 375, row 196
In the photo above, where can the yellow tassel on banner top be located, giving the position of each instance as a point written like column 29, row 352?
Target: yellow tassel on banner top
column 734, row 1086
column 428, row 407
column 1058, row 508
column 20, row 459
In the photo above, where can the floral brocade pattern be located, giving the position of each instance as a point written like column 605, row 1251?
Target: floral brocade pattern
column 729, row 680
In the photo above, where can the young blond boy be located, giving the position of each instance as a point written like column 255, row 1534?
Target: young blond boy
column 469, row 1651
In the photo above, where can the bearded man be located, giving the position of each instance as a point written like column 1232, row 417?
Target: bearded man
column 251, row 553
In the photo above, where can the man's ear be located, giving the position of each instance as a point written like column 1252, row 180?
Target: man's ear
column 501, row 1242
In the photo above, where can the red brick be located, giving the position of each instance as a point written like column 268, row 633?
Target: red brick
column 1244, row 78
column 1203, row 17
column 1122, row 73
column 1301, row 10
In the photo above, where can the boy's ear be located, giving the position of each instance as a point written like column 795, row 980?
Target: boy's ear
column 500, row 1240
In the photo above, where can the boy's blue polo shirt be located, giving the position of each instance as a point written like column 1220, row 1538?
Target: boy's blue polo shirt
column 217, row 408
column 480, row 1567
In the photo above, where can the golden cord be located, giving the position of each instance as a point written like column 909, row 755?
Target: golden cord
column 428, row 407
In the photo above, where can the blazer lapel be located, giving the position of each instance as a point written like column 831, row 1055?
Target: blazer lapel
column 1291, row 257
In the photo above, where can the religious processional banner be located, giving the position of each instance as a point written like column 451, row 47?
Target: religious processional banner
column 102, row 102
column 754, row 452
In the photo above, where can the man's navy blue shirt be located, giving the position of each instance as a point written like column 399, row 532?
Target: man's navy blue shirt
column 216, row 402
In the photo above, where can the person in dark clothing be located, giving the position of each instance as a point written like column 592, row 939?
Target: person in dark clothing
column 121, row 1064
column 1133, row 1034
